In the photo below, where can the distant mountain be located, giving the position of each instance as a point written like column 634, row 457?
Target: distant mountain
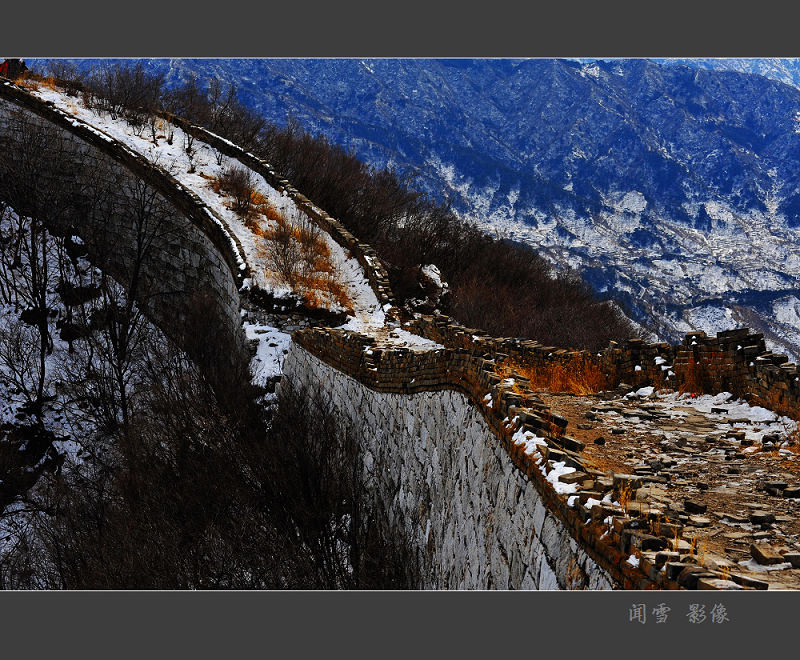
column 674, row 188
column 783, row 69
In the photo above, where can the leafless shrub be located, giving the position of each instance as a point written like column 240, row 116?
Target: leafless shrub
column 505, row 288
column 127, row 91
column 283, row 253
column 238, row 183
column 198, row 494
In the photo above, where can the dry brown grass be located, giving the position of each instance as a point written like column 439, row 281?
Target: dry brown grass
column 252, row 211
column 270, row 212
column 624, row 496
column 692, row 380
column 48, row 83
column 301, row 258
column 32, row 80
column 236, row 184
column 27, row 83
column 787, row 462
column 576, row 374
column 319, row 290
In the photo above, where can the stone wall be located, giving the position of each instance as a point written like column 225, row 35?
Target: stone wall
column 445, row 421
column 441, row 477
column 735, row 361
column 193, row 269
column 457, row 453
column 447, row 416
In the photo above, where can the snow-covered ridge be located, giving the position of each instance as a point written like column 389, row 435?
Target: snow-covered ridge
column 365, row 257
column 192, row 177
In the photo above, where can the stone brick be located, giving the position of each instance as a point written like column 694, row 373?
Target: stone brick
column 707, row 583
column 764, row 553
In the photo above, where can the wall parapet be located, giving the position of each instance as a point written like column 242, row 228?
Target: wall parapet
column 735, row 361
column 188, row 202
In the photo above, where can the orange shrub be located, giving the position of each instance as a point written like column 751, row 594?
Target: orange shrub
column 692, row 380
column 576, row 374
column 316, row 290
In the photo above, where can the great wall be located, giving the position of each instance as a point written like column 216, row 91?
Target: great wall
column 459, row 452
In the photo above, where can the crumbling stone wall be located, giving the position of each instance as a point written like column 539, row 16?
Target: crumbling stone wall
column 193, row 267
column 439, row 423
column 439, row 430
column 735, row 361
column 417, row 415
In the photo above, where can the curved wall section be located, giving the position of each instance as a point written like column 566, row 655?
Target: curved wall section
column 136, row 219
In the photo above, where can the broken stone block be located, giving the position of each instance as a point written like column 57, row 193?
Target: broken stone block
column 690, row 575
column 765, row 554
column 681, row 545
column 747, row 581
column 675, row 568
column 631, row 481
column 691, row 506
column 573, row 477
column 761, row 517
column 718, row 584
column 734, row 517
column 793, row 558
column 571, row 444
column 699, row 521
column 644, row 541
column 663, row 556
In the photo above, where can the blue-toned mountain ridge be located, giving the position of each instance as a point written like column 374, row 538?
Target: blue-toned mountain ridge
column 674, row 188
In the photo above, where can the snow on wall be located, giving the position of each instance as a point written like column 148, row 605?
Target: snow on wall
column 190, row 266
column 440, row 477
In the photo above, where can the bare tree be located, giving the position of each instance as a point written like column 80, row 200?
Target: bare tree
column 122, row 327
column 222, row 101
column 238, row 182
column 283, row 253
column 33, row 157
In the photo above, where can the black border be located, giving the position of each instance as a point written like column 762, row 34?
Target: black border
column 397, row 624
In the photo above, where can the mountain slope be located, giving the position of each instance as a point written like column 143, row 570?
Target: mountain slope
column 674, row 188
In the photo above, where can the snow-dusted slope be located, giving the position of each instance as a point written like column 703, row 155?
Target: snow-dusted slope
column 197, row 174
column 364, row 313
